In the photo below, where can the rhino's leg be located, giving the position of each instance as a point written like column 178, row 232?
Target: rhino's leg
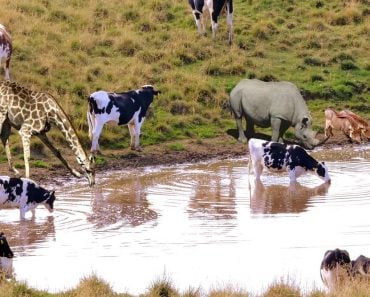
column 276, row 129
column 239, row 124
column 250, row 127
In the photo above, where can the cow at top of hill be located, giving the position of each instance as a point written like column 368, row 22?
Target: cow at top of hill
column 126, row 108
column 215, row 7
column 5, row 49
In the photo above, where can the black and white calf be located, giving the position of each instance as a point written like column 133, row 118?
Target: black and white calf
column 335, row 267
column 215, row 8
column 6, row 256
column 276, row 156
column 25, row 194
column 121, row 108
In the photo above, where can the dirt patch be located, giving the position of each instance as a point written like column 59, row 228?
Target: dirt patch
column 170, row 153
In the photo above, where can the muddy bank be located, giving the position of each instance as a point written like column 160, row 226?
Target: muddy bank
column 178, row 152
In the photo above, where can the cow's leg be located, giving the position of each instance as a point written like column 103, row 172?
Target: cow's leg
column 275, row 125
column 292, row 175
column 230, row 19
column 135, row 127
column 22, row 213
column 131, row 128
column 95, row 137
column 215, row 12
column 197, row 7
column 328, row 130
column 5, row 132
column 258, row 168
column 57, row 153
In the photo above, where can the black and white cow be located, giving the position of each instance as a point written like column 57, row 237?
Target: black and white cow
column 5, row 49
column 121, row 108
column 25, row 194
column 335, row 267
column 6, row 256
column 215, row 8
column 276, row 156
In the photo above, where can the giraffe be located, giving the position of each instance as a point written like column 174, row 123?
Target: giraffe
column 32, row 113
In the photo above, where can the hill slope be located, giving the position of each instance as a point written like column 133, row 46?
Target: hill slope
column 72, row 48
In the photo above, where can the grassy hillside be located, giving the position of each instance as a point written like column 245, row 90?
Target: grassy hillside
column 72, row 48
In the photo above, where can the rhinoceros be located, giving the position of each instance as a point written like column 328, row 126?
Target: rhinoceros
column 272, row 104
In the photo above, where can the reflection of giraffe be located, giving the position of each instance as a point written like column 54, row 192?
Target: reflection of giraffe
column 214, row 194
column 124, row 199
column 32, row 113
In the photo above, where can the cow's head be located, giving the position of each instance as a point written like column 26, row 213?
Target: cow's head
column 49, row 200
column 151, row 89
column 5, row 250
column 323, row 172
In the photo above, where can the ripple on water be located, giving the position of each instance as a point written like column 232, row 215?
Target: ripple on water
column 182, row 218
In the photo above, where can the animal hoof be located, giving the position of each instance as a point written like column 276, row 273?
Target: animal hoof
column 243, row 140
column 138, row 149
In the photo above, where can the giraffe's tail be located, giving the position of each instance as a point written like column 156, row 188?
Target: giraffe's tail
column 90, row 119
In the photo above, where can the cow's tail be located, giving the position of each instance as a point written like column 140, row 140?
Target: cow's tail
column 90, row 118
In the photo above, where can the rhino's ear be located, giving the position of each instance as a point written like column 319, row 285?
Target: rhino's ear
column 305, row 122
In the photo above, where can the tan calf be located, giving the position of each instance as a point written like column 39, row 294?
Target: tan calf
column 362, row 123
column 344, row 123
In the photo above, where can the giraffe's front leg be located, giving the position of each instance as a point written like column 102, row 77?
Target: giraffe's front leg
column 26, row 141
column 57, row 153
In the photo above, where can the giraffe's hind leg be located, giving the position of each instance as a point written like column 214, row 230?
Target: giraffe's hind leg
column 5, row 132
column 57, row 153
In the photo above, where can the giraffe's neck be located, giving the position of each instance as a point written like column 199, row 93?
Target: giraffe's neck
column 60, row 119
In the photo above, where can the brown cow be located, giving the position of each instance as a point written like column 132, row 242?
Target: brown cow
column 363, row 124
column 344, row 123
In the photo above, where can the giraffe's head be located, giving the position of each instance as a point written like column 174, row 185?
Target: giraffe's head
column 89, row 170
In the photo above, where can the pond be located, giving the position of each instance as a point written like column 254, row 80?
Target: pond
column 201, row 225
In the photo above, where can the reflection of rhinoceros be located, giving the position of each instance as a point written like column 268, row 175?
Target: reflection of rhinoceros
column 275, row 104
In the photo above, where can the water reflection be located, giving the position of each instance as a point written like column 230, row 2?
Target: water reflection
column 125, row 201
column 213, row 195
column 275, row 199
column 28, row 234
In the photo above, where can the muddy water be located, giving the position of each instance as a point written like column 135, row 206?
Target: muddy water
column 200, row 225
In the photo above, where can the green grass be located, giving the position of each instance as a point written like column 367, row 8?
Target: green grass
column 70, row 50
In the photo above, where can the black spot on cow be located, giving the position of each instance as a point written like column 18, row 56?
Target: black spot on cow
column 12, row 187
column 299, row 157
column 320, row 170
column 36, row 194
